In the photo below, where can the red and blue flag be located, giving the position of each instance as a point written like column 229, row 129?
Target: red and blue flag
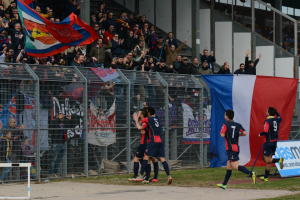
column 46, row 38
column 29, row 3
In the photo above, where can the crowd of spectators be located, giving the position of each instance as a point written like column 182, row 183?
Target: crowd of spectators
column 127, row 42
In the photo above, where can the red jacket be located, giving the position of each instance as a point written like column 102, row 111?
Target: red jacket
column 108, row 34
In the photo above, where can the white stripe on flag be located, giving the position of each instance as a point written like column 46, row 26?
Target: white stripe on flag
column 28, row 17
column 242, row 92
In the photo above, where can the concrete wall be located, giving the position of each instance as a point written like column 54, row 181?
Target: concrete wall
column 164, row 15
column 184, row 20
column 146, row 7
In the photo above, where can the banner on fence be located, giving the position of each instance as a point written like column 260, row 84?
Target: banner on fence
column 72, row 108
column 160, row 113
column 29, row 120
column 105, row 74
column 191, row 124
column 290, row 151
column 102, row 126
column 9, row 111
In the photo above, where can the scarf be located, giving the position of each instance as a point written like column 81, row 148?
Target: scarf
column 4, row 41
column 205, row 68
column 9, row 147
column 153, row 41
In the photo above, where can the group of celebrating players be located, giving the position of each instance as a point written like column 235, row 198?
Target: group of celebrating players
column 151, row 145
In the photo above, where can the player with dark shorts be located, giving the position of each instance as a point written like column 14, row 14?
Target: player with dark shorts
column 231, row 131
column 155, row 147
column 271, row 128
column 141, row 151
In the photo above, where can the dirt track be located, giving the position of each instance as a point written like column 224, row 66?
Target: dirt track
column 88, row 191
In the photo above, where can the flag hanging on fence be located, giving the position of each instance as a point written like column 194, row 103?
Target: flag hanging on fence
column 105, row 74
column 249, row 97
column 102, row 126
column 74, row 90
column 9, row 111
column 46, row 38
column 191, row 124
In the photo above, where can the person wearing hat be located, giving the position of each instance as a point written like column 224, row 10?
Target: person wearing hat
column 204, row 69
column 241, row 70
column 161, row 67
column 158, row 50
column 209, row 58
column 186, row 68
column 171, row 52
column 8, row 19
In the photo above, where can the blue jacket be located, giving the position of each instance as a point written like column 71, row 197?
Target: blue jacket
column 238, row 71
column 173, row 42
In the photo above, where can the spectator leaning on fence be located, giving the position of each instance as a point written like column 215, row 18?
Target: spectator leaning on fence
column 250, row 66
column 204, row 69
column 241, row 70
column 224, row 69
column 209, row 58
column 98, row 51
column 171, row 52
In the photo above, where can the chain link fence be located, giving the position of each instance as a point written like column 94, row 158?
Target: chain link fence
column 66, row 121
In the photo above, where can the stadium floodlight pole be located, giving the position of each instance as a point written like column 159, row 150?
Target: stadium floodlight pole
column 256, row 160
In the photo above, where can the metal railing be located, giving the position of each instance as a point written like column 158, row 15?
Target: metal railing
column 71, row 123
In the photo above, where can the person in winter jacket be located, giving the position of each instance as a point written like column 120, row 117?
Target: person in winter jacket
column 241, row 70
column 224, row 69
column 73, row 7
column 6, row 148
column 185, row 67
column 98, row 52
column 204, row 69
column 250, row 66
column 171, row 52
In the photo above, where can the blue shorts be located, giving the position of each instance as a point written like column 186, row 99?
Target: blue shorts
column 233, row 156
column 140, row 151
column 155, row 150
column 270, row 148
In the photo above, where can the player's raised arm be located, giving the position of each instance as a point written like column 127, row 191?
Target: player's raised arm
column 223, row 130
column 137, row 124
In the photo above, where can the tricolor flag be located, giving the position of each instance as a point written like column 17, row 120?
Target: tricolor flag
column 29, row 3
column 249, row 97
column 46, row 38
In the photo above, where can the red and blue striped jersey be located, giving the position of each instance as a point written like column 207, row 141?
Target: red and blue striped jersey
column 153, row 126
column 232, row 132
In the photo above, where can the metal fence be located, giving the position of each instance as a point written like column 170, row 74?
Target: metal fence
column 67, row 122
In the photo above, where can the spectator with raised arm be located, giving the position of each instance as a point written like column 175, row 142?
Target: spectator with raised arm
column 172, row 52
column 209, row 58
column 49, row 12
column 250, row 66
